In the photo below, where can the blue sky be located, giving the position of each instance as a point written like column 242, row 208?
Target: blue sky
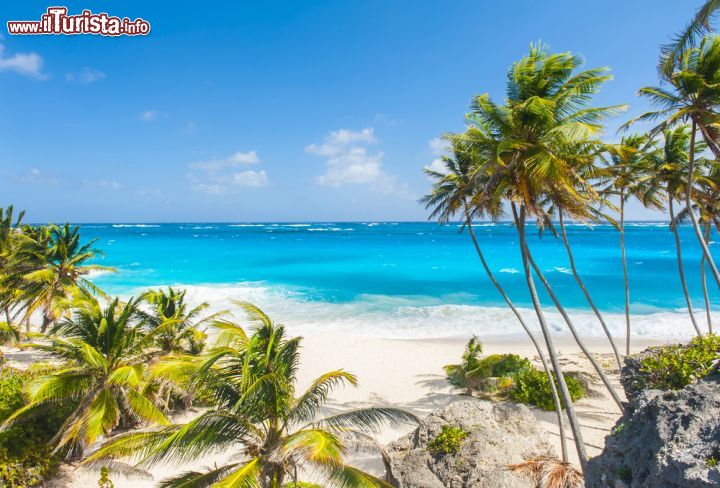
column 241, row 111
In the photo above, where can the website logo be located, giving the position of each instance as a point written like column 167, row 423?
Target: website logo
column 56, row 21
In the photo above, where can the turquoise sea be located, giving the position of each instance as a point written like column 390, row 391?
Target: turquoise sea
column 402, row 279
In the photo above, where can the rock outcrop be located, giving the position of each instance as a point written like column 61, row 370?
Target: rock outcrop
column 499, row 434
column 668, row 439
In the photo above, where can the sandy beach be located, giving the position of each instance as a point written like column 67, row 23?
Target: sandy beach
column 406, row 374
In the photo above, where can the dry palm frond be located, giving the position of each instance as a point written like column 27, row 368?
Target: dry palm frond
column 549, row 473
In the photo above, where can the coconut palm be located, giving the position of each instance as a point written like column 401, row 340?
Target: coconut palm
column 175, row 326
column 458, row 189
column 692, row 95
column 544, row 120
column 670, row 173
column 102, row 358
column 9, row 226
column 696, row 29
column 62, row 264
column 629, row 176
column 252, row 380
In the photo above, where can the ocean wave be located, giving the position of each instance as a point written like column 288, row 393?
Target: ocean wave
column 509, row 270
column 141, row 226
column 398, row 317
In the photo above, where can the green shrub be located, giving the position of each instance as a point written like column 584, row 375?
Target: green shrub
column 25, row 458
column 448, row 441
column 497, row 365
column 532, row 386
column 676, row 366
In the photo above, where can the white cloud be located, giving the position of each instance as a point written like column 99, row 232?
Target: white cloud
column 85, row 76
column 26, row 64
column 37, row 176
column 349, row 161
column 438, row 165
column 215, row 176
column 250, row 178
column 103, row 184
column 148, row 115
column 233, row 160
column 438, row 146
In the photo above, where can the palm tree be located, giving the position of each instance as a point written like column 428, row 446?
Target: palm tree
column 693, row 95
column 459, row 190
column 467, row 374
column 697, row 28
column 629, row 176
column 252, row 380
column 62, row 264
column 9, row 226
column 670, row 173
column 175, row 327
column 102, row 373
column 539, row 129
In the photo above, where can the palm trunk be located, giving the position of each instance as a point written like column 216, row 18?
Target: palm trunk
column 586, row 293
column 688, row 202
column 570, row 409
column 625, row 273
column 576, row 336
column 681, row 271
column 703, row 279
column 533, row 339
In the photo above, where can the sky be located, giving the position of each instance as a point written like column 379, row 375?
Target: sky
column 281, row 111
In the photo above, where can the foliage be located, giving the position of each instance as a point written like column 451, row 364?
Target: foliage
column 252, row 377
column 301, row 484
column 469, row 373
column 25, row 457
column 532, row 386
column 102, row 354
column 448, row 441
column 675, row 366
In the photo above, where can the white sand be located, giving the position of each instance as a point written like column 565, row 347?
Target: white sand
column 408, row 374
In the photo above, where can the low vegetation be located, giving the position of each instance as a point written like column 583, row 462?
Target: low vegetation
column 676, row 366
column 506, row 376
column 448, row 441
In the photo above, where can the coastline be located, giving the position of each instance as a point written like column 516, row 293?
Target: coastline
column 405, row 373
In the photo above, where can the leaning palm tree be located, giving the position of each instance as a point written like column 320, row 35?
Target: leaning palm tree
column 629, row 170
column 102, row 358
column 692, row 95
column 670, row 173
column 545, row 118
column 63, row 263
column 252, row 382
column 458, row 189
column 9, row 227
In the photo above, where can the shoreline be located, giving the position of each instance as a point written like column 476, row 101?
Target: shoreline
column 405, row 373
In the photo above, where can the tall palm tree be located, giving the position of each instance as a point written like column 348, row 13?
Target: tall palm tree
column 175, row 326
column 629, row 176
column 458, row 189
column 62, row 264
column 670, row 173
column 252, row 379
column 102, row 373
column 696, row 29
column 543, row 121
column 692, row 95
column 9, row 227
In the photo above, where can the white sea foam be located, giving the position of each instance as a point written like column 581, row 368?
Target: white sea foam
column 141, row 226
column 509, row 270
column 420, row 317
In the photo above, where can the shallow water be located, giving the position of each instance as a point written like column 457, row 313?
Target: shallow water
column 402, row 279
